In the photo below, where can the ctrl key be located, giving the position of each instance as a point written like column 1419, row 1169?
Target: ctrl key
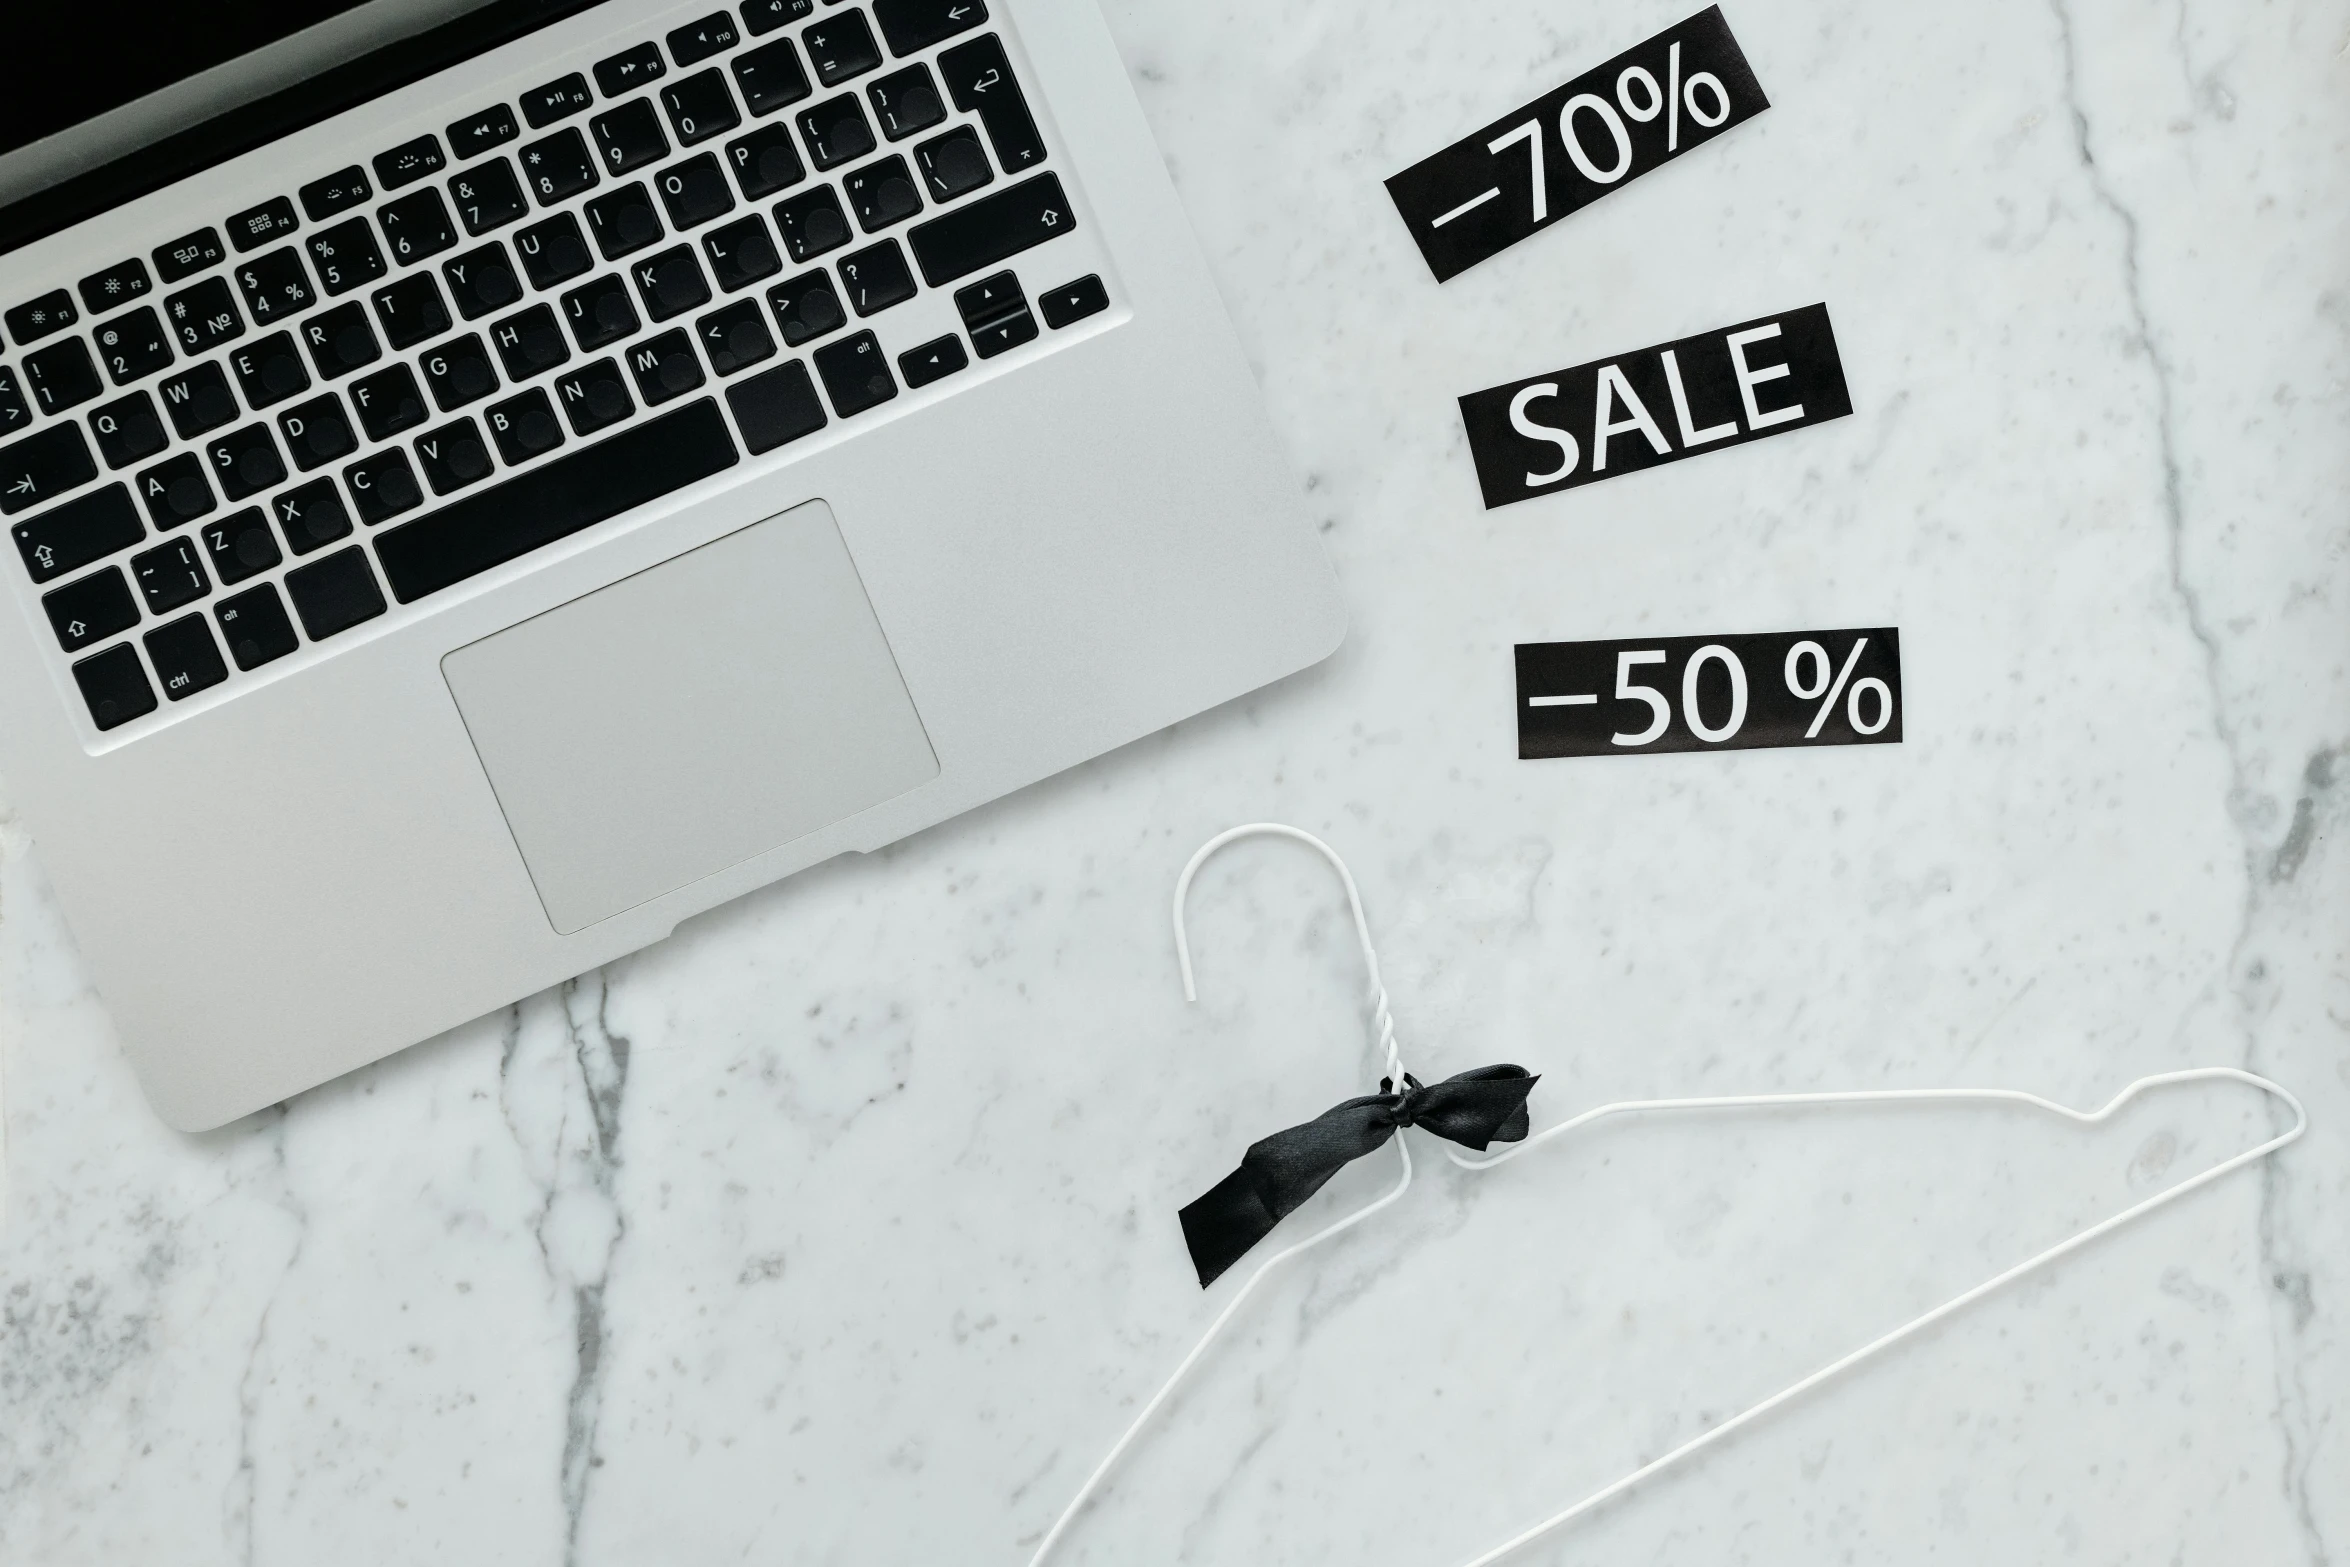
column 255, row 626
column 187, row 660
column 115, row 687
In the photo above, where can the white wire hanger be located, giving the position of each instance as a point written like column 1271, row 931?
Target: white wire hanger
column 1383, row 1030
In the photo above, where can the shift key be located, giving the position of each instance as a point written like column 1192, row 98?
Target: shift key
column 969, row 238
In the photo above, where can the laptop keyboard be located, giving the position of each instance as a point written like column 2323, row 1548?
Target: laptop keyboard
column 414, row 369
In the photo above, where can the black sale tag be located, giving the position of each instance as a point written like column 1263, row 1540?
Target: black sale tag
column 1736, row 693
column 1656, row 405
column 1574, row 144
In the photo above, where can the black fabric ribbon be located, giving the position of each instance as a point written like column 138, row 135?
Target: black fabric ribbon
column 1277, row 1175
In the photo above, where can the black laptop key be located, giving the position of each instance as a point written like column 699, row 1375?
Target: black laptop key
column 185, row 257
column 417, row 226
column 458, row 372
column 697, row 41
column 559, row 167
column 906, row 101
column 477, row 134
column 488, row 197
column 554, row 251
column 933, row 361
column 856, row 373
column 269, row 370
column 453, row 456
column 311, row 515
column 186, row 658
column 812, row 223
column 255, row 626
column 239, row 545
column 115, row 687
column 389, row 402
column 409, row 162
column 91, row 610
column 623, row 220
column 770, row 77
column 134, row 345
column 992, row 229
column 595, row 396
column 806, row 307
column 175, row 491
column 117, row 285
column 77, row 533
column 341, row 341
column 954, row 164
column 558, row 100
column 630, row 69
column 38, row 318
column 170, row 576
column 840, row 46
column 765, row 16
column 62, row 375
column 671, row 283
column 882, row 193
column 39, row 468
column 14, row 415
column 128, row 430
column 979, row 80
column 245, row 462
column 266, row 224
column 630, row 136
column 600, row 312
column 412, row 310
column 835, row 131
column 275, row 286
column 481, row 281
column 322, row 199
column 990, row 300
column 776, row 407
column 317, row 432
column 198, row 400
column 876, row 278
column 1074, row 302
column 741, row 253
column 914, row 25
column 766, row 161
column 736, row 338
column 700, row 107
column 529, row 343
column 524, row 427
column 346, row 256
column 383, row 486
column 334, row 593
column 1004, row 334
column 489, row 527
column 665, row 368
column 695, row 192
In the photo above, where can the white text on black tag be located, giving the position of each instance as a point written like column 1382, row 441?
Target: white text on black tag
column 1734, row 693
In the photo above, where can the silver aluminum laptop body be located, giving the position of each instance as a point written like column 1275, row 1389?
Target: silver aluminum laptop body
column 414, row 815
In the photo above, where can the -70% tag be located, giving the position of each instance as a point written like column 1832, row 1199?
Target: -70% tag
column 1730, row 693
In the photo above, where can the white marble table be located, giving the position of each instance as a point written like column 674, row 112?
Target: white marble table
column 840, row 1228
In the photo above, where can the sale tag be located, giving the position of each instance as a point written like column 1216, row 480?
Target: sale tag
column 1655, row 405
column 1574, row 144
column 1739, row 693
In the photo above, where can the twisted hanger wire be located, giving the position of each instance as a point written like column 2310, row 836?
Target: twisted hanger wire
column 1385, row 1029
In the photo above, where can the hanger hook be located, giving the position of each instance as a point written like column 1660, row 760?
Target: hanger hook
column 1383, row 1020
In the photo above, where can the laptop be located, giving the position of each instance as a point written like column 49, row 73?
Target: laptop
column 487, row 481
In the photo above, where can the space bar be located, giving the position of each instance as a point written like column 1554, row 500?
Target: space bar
column 493, row 526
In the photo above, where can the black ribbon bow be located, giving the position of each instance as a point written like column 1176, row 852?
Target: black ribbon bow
column 1277, row 1175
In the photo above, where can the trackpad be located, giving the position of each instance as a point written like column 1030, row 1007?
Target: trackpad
column 701, row 712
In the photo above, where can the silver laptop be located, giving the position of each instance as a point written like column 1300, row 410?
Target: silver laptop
column 487, row 481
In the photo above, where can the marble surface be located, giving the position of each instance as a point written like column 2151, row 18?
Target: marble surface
column 840, row 1227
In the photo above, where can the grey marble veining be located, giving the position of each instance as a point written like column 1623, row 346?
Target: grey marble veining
column 840, row 1227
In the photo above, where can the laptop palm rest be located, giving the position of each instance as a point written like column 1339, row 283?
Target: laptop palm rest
column 690, row 717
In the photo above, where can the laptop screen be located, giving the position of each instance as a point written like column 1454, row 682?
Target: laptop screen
column 115, row 98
